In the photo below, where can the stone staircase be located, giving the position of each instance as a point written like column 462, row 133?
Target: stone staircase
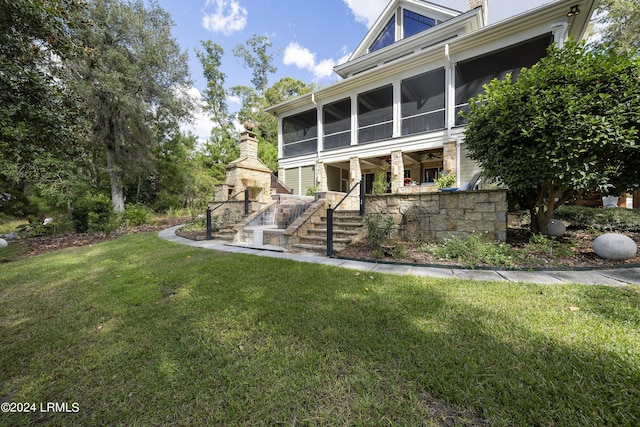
column 346, row 226
column 224, row 234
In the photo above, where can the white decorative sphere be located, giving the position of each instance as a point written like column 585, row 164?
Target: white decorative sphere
column 615, row 246
column 3, row 243
column 556, row 228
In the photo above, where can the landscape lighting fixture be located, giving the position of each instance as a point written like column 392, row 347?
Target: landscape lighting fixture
column 573, row 11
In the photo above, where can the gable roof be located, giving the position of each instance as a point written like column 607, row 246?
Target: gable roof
column 368, row 68
column 422, row 7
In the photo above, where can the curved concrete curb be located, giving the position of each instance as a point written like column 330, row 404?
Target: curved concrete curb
column 613, row 277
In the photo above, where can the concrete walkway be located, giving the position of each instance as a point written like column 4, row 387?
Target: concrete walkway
column 611, row 277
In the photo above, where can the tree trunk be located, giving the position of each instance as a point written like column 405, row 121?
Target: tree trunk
column 117, row 192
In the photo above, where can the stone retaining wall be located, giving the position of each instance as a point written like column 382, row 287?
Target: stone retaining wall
column 438, row 216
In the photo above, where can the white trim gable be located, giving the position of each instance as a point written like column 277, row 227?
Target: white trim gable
column 421, row 7
column 457, row 25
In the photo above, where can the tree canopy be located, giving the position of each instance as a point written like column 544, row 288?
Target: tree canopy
column 567, row 124
column 132, row 81
column 621, row 19
column 92, row 95
column 40, row 123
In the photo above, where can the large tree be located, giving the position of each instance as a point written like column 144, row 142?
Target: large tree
column 620, row 20
column 222, row 147
column 41, row 125
column 133, row 81
column 567, row 124
column 255, row 99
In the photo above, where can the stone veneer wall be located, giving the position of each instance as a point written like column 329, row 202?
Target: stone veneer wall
column 230, row 213
column 438, row 216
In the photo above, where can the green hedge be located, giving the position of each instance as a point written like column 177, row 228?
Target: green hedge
column 606, row 219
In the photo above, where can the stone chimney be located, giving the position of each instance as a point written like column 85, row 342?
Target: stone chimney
column 484, row 4
column 248, row 145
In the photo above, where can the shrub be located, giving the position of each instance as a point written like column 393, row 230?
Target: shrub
column 378, row 229
column 137, row 214
column 380, row 184
column 609, row 219
column 552, row 246
column 472, row 250
column 93, row 213
column 446, row 181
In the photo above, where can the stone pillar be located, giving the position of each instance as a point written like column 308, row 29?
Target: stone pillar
column 449, row 157
column 221, row 193
column 397, row 171
column 355, row 173
column 321, row 177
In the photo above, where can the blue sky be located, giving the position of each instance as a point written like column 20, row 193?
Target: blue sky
column 309, row 37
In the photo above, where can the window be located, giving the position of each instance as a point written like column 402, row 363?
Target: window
column 414, row 23
column 472, row 74
column 386, row 37
column 431, row 174
column 337, row 124
column 300, row 134
column 423, row 102
column 375, row 114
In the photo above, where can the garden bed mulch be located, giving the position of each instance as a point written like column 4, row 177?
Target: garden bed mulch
column 581, row 254
column 37, row 245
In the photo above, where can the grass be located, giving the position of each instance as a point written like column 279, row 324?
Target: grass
column 140, row 331
column 7, row 227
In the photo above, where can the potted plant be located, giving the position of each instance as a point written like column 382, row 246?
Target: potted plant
column 380, row 184
column 610, row 196
column 445, row 182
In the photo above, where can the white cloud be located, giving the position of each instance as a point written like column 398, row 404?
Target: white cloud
column 201, row 125
column 234, row 100
column 229, row 16
column 303, row 58
column 366, row 11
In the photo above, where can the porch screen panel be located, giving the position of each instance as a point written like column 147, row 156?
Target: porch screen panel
column 300, row 134
column 337, row 124
column 292, row 179
column 423, row 102
column 473, row 73
column 307, row 178
column 375, row 115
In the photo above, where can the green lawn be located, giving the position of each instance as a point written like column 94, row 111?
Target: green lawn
column 140, row 331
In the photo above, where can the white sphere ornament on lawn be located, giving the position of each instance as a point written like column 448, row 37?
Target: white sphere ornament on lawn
column 556, row 228
column 615, row 246
column 3, row 243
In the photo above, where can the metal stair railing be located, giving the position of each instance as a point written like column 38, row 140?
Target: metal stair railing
column 330, row 211
column 209, row 210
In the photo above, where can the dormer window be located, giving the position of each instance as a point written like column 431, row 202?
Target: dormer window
column 407, row 22
column 413, row 23
column 386, row 37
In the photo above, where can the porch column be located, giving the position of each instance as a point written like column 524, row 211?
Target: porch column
column 560, row 33
column 355, row 173
column 397, row 171
column 321, row 177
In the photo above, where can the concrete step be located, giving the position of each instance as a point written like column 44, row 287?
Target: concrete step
column 311, row 248
column 323, row 239
column 322, row 232
column 225, row 234
column 320, row 249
